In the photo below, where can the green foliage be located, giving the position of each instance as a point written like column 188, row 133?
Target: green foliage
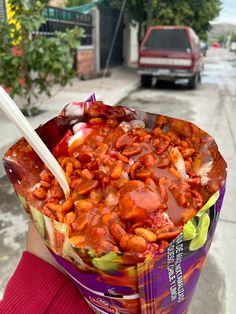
column 76, row 3
column 203, row 13
column 31, row 64
column 194, row 13
column 233, row 37
column 136, row 11
column 221, row 38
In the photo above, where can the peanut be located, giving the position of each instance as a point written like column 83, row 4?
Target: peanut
column 117, row 170
column 117, row 231
column 56, row 191
column 187, row 152
column 96, row 120
column 83, row 206
column 45, row 184
column 133, row 243
column 40, row 193
column 146, row 234
column 69, row 218
column 132, row 150
column 109, row 217
column 168, row 235
column 77, row 240
column 67, row 205
column 69, row 169
column 98, row 233
column 143, row 174
column 87, row 174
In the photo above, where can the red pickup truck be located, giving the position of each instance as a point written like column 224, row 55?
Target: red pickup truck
column 170, row 53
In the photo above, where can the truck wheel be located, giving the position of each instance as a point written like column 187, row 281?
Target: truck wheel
column 146, row 80
column 199, row 77
column 193, row 82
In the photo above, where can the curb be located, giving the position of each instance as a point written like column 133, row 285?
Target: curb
column 120, row 94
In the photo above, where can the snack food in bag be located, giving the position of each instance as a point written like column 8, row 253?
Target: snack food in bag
column 146, row 194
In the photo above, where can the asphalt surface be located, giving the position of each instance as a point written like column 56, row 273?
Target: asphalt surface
column 212, row 107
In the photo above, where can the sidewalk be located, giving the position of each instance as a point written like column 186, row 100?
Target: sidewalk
column 110, row 90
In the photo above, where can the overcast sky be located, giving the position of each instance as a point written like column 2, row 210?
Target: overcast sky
column 228, row 12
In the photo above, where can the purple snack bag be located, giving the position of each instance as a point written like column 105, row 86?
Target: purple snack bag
column 116, row 282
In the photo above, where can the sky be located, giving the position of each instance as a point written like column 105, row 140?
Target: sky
column 228, row 12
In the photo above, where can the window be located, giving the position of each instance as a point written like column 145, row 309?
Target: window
column 168, row 39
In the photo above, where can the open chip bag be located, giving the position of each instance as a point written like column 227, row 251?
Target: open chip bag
column 146, row 194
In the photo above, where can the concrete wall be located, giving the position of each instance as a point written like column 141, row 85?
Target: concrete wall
column 88, row 57
column 130, row 44
column 134, row 46
column 57, row 3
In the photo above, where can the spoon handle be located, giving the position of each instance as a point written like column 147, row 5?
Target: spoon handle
column 14, row 114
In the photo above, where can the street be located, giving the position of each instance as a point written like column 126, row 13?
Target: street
column 212, row 107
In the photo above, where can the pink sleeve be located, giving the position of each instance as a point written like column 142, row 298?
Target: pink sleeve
column 38, row 287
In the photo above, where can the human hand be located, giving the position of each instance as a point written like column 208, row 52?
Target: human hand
column 36, row 246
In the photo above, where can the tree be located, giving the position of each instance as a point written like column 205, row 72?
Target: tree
column 30, row 65
column 233, row 37
column 222, row 38
column 194, row 13
column 203, row 12
column 76, row 3
column 136, row 11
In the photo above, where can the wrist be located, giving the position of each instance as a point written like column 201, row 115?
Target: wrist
column 36, row 246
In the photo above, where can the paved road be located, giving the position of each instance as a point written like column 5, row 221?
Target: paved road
column 212, row 107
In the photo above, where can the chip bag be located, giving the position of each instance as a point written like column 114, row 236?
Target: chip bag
column 146, row 194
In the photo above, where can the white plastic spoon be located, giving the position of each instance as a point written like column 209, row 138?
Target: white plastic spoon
column 14, row 114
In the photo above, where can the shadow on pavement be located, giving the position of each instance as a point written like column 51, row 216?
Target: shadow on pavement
column 211, row 290
column 165, row 85
column 170, row 85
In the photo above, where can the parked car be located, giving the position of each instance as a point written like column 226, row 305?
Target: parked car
column 170, row 53
column 216, row 45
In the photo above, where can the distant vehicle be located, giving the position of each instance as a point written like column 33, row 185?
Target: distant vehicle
column 170, row 53
column 216, row 45
column 233, row 47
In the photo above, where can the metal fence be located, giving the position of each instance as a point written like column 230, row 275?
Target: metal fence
column 58, row 19
column 2, row 9
column 108, row 21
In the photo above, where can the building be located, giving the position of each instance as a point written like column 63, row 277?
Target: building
column 57, row 3
column 115, row 41
column 108, row 41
